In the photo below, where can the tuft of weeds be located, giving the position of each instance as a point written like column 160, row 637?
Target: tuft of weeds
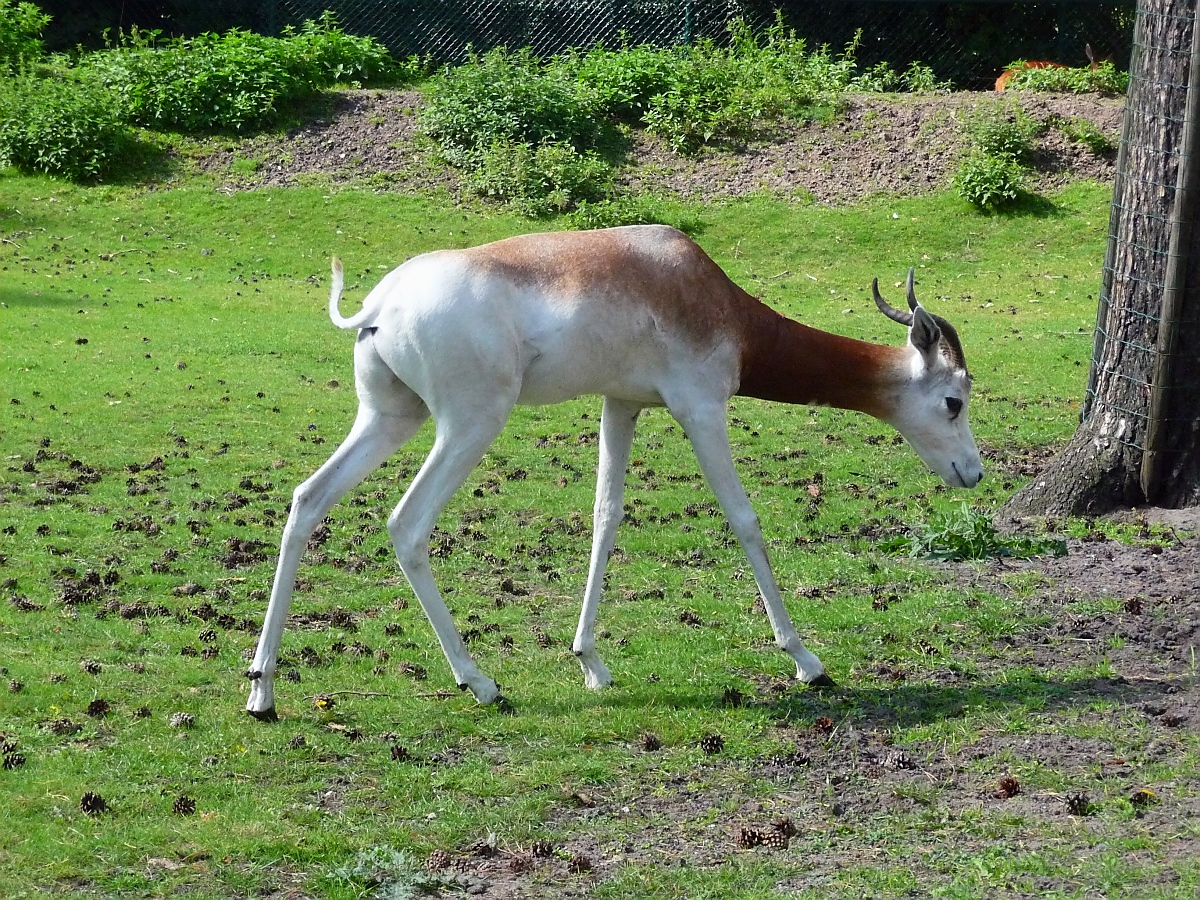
column 966, row 533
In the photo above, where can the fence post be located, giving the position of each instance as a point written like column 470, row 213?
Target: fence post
column 1183, row 213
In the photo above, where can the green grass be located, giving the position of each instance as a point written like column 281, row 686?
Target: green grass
column 208, row 346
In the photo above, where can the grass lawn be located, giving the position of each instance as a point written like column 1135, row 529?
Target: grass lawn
column 169, row 374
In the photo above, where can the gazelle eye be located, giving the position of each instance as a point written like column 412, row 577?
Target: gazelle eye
column 954, row 405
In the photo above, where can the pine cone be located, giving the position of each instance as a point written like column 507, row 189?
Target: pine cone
column 733, row 697
column 650, row 741
column 292, row 675
column 437, row 861
column 579, row 864
column 207, row 636
column 297, row 742
column 324, row 703
column 542, row 639
column 98, row 708
column 183, row 805
column 712, row 744
column 775, row 840
column 542, row 848
column 64, row 726
column 824, row 725
column 181, row 720
column 142, row 712
column 785, row 826
column 746, row 837
column 15, row 687
column 412, row 670
column 400, row 753
column 188, row 651
column 92, row 804
column 210, row 653
column 1079, row 804
column 90, row 666
column 1008, row 787
column 14, row 760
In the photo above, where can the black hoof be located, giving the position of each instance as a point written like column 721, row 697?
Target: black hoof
column 822, row 681
column 266, row 715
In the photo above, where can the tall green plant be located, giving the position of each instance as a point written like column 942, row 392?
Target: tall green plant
column 21, row 27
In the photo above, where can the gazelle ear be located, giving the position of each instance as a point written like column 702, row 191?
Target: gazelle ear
column 924, row 334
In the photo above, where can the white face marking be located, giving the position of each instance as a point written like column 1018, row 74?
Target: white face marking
column 931, row 413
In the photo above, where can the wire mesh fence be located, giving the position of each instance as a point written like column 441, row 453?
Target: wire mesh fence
column 966, row 43
column 1129, row 339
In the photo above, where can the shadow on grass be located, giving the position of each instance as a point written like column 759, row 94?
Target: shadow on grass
column 902, row 706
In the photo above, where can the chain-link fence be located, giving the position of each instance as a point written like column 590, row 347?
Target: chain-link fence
column 966, row 43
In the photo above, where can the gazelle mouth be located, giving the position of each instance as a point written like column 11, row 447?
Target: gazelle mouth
column 961, row 480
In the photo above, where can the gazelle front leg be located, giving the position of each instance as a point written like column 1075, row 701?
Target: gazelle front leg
column 706, row 428
column 617, row 423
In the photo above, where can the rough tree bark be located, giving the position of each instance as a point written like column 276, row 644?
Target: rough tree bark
column 1100, row 469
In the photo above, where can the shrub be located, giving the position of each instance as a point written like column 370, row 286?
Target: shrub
column 989, row 181
column 21, row 27
column 231, row 80
column 61, row 124
column 334, row 57
column 1104, row 79
column 537, row 179
column 623, row 82
column 1004, row 131
column 507, row 98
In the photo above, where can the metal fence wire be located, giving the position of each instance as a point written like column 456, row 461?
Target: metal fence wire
column 1130, row 341
column 966, row 43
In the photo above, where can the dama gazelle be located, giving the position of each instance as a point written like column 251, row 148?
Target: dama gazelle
column 640, row 315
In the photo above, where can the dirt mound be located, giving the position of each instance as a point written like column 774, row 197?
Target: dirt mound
column 906, row 144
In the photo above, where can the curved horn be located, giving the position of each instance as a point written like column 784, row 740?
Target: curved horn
column 904, row 318
column 910, row 291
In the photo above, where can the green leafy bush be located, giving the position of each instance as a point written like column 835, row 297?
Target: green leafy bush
column 1104, row 79
column 537, row 179
column 21, row 27
column 61, row 123
column 623, row 82
column 987, row 180
column 510, row 98
column 231, row 80
column 1004, row 130
column 966, row 533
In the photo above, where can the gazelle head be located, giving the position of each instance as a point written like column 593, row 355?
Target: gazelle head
column 930, row 406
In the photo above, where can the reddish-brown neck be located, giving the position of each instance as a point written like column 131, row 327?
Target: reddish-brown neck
column 788, row 362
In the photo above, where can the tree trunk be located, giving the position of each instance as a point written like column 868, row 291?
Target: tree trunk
column 1101, row 467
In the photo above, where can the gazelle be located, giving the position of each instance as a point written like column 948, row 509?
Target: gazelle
column 640, row 315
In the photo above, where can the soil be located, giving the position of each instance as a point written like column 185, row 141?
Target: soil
column 879, row 144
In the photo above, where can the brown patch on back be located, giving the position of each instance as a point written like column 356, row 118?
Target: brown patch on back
column 656, row 268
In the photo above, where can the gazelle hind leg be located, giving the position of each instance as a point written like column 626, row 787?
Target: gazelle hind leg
column 389, row 413
column 373, row 439
column 709, row 435
column 463, row 436
column 617, row 424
